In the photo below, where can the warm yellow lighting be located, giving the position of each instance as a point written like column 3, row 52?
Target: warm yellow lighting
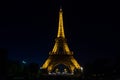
column 60, row 26
column 60, row 35
column 45, row 65
column 72, row 68
column 55, row 48
column 61, row 46
column 65, row 70
column 57, row 70
column 75, row 63
column 50, row 68
column 66, row 47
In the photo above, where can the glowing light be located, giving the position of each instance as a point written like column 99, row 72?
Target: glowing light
column 49, row 73
column 60, row 28
column 57, row 70
column 50, row 68
column 65, row 70
column 45, row 65
column 81, row 69
column 55, row 48
column 72, row 68
column 40, row 67
column 23, row 62
column 62, row 35
column 60, row 42
column 75, row 63
column 66, row 47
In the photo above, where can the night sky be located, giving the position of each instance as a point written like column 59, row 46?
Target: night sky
column 28, row 29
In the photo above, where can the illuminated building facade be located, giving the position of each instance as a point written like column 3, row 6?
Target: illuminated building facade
column 61, row 53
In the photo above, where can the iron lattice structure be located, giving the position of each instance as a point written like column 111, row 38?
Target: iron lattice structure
column 60, row 53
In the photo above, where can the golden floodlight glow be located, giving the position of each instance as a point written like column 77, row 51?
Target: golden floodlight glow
column 66, row 48
column 55, row 48
column 45, row 65
column 60, row 34
column 60, row 26
column 61, row 53
column 50, row 68
column 75, row 63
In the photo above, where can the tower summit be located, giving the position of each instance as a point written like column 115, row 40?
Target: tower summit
column 60, row 26
column 61, row 46
column 61, row 54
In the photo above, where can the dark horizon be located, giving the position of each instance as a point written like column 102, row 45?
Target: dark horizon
column 28, row 30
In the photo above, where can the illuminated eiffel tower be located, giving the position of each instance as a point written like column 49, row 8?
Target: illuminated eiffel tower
column 61, row 53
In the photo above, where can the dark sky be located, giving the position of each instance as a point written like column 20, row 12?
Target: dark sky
column 28, row 29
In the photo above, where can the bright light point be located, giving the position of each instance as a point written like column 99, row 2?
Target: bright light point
column 49, row 73
column 23, row 62
column 81, row 69
column 40, row 67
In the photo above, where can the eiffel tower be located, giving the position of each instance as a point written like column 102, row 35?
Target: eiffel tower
column 61, row 53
